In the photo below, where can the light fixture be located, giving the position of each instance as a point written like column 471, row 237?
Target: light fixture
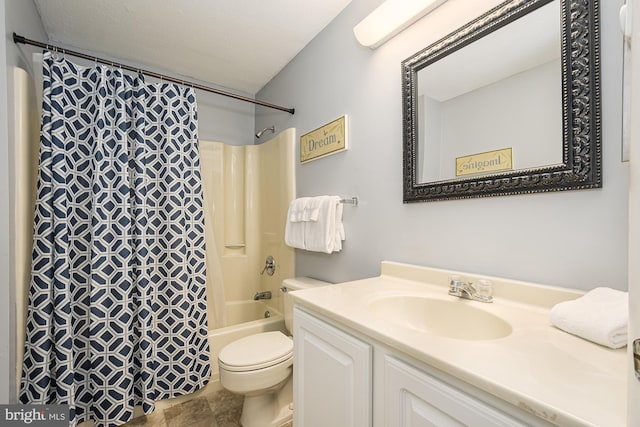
column 390, row 18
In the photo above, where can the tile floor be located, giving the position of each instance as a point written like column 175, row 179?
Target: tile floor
column 219, row 409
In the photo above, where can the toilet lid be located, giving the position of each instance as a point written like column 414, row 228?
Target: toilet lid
column 256, row 351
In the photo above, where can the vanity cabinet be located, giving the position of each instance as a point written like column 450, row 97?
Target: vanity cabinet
column 344, row 378
column 413, row 398
column 332, row 375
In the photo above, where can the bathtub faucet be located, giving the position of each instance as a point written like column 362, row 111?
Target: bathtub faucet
column 461, row 289
column 262, row 295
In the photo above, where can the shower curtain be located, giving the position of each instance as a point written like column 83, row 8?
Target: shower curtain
column 117, row 303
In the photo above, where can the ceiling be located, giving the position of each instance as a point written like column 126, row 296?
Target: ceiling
column 238, row 44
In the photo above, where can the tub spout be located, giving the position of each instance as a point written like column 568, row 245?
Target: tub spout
column 262, row 295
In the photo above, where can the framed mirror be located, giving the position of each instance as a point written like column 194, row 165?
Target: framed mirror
column 507, row 104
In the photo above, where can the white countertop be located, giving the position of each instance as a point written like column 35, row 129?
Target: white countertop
column 538, row 368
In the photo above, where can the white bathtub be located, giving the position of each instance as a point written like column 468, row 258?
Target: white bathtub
column 243, row 318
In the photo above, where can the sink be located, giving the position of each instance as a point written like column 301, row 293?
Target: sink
column 452, row 319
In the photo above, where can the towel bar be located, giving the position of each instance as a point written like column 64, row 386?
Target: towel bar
column 352, row 201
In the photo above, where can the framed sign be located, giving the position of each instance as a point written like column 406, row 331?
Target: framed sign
column 326, row 140
column 491, row 161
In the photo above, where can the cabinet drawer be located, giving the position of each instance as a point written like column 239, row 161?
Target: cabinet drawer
column 414, row 398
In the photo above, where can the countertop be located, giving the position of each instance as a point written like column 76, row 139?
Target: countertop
column 545, row 371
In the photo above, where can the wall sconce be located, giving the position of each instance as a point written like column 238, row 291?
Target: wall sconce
column 390, row 18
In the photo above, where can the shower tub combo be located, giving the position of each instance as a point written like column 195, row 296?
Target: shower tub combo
column 247, row 191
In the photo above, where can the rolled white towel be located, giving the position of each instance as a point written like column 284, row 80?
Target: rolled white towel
column 601, row 316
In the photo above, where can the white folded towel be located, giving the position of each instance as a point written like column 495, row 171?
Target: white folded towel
column 339, row 233
column 321, row 235
column 315, row 224
column 298, row 210
column 294, row 228
column 601, row 316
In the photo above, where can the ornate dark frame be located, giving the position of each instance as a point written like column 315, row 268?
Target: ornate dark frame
column 582, row 151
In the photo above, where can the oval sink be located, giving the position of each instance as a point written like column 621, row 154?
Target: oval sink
column 451, row 319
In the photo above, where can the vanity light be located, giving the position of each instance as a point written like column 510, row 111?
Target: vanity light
column 390, row 18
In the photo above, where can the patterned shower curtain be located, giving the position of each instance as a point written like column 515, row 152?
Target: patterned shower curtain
column 117, row 309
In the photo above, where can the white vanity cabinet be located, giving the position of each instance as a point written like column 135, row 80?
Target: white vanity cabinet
column 413, row 398
column 343, row 378
column 331, row 375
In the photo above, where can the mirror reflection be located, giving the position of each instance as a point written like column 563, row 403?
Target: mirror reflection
column 507, row 90
column 507, row 104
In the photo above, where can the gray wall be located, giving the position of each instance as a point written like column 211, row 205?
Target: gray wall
column 224, row 119
column 572, row 239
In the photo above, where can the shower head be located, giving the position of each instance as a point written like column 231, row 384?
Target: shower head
column 271, row 128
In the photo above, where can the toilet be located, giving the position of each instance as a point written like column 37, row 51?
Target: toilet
column 259, row 367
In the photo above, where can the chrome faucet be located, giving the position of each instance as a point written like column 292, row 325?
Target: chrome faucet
column 262, row 295
column 269, row 266
column 461, row 289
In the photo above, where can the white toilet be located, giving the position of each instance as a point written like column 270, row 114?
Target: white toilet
column 259, row 367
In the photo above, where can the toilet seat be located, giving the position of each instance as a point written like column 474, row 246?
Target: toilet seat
column 257, row 351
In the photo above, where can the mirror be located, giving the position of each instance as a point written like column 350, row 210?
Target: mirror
column 507, row 104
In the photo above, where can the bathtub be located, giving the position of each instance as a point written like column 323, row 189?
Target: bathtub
column 243, row 318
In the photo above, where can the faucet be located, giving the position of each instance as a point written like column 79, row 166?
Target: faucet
column 269, row 266
column 262, row 295
column 461, row 289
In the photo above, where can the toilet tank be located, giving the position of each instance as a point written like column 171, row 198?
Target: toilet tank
column 296, row 284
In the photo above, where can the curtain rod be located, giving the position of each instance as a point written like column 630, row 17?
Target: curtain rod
column 20, row 39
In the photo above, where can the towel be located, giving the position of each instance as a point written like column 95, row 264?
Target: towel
column 324, row 235
column 339, row 234
column 294, row 228
column 601, row 316
column 315, row 224
column 312, row 210
column 298, row 210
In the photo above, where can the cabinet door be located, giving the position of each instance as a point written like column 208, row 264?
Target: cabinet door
column 414, row 398
column 331, row 375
